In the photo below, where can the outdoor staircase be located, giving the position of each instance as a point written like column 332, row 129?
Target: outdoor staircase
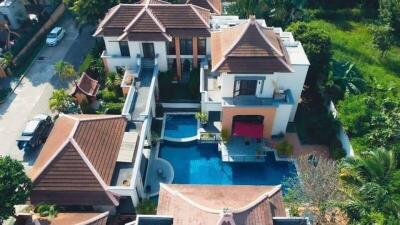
column 147, row 63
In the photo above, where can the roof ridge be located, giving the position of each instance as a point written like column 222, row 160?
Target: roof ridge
column 265, row 38
column 198, row 14
column 135, row 19
column 213, row 7
column 101, row 117
column 93, row 170
column 94, row 219
column 105, row 21
column 266, row 194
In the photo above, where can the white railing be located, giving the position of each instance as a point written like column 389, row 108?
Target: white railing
column 145, row 128
column 342, row 136
column 126, row 110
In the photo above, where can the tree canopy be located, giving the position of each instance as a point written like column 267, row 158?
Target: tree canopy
column 15, row 186
column 371, row 183
column 61, row 101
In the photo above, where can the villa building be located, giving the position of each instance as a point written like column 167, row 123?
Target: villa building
column 251, row 78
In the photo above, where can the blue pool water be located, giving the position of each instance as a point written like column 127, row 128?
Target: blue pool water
column 180, row 126
column 201, row 164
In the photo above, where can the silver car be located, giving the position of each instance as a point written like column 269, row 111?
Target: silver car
column 55, row 36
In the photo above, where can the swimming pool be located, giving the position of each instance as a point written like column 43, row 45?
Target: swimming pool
column 178, row 126
column 196, row 163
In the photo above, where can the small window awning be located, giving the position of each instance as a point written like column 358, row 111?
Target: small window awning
column 248, row 129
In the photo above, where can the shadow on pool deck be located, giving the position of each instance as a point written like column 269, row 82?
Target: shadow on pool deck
column 160, row 171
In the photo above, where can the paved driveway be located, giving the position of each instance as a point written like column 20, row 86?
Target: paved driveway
column 32, row 95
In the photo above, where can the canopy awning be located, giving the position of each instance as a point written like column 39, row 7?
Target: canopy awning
column 248, row 129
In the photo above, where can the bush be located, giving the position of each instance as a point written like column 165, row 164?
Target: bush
column 224, row 135
column 323, row 127
column 113, row 108
column 284, row 148
column 86, row 63
column 108, row 95
column 336, row 150
column 146, row 207
column 85, row 107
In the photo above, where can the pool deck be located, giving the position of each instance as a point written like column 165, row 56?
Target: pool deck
column 237, row 149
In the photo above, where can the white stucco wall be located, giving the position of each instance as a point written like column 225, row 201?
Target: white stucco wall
column 293, row 81
column 208, row 46
column 281, row 118
column 114, row 57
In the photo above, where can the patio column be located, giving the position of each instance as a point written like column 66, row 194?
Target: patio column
column 195, row 52
column 178, row 58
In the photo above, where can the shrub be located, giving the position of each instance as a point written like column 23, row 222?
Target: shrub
column 284, row 148
column 85, row 107
column 224, row 135
column 336, row 150
column 146, row 207
column 202, row 117
column 108, row 95
column 86, row 63
column 113, row 108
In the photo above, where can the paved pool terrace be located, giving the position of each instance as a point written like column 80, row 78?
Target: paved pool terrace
column 193, row 162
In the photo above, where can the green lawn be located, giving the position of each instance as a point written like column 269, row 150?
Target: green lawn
column 352, row 41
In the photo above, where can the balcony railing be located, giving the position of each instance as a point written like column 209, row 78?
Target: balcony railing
column 245, row 100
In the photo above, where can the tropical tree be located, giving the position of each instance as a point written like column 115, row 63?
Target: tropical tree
column 317, row 44
column 65, row 70
column 344, row 78
column 382, row 38
column 113, row 80
column 146, row 207
column 371, row 183
column 15, row 186
column 316, row 190
column 61, row 101
column 389, row 11
column 89, row 11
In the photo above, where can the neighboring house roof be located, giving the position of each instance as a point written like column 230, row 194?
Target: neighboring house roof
column 215, row 6
column 151, row 20
column 87, row 86
column 76, row 163
column 248, row 48
column 67, row 219
column 214, row 205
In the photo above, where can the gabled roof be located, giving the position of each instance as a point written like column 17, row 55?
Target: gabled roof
column 248, row 48
column 215, row 6
column 213, row 205
column 76, row 164
column 67, row 219
column 87, row 86
column 154, row 20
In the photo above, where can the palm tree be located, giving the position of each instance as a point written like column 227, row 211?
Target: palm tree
column 371, row 183
column 60, row 101
column 113, row 80
column 65, row 70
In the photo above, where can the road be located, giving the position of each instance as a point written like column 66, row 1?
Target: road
column 32, row 95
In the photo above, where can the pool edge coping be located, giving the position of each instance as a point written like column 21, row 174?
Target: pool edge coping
column 185, row 139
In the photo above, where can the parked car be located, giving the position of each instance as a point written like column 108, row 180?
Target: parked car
column 35, row 132
column 55, row 36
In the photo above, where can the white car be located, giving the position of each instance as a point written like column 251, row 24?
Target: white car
column 55, row 36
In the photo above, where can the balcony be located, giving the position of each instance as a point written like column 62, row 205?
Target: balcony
column 105, row 54
column 245, row 100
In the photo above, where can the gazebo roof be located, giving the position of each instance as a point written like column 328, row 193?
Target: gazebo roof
column 86, row 85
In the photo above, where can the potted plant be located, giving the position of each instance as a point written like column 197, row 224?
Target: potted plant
column 284, row 148
column 202, row 117
column 224, row 135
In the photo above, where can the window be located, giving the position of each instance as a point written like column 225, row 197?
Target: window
column 172, row 64
column 186, row 46
column 245, row 87
column 171, row 48
column 202, row 46
column 124, row 48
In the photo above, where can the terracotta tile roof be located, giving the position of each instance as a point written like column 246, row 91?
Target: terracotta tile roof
column 207, row 204
column 77, row 161
column 87, row 86
column 248, row 48
column 215, row 6
column 67, row 219
column 141, row 21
